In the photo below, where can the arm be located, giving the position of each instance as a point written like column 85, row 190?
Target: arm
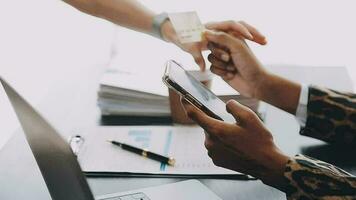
column 133, row 15
column 279, row 92
column 248, row 146
column 243, row 72
column 308, row 178
column 128, row 13
column 331, row 116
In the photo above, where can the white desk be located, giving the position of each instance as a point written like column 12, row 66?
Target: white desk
column 20, row 178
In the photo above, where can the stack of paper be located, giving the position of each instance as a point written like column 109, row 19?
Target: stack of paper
column 124, row 93
column 131, row 94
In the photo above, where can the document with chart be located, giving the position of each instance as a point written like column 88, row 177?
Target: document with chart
column 184, row 144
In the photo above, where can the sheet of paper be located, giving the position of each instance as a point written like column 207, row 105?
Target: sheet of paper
column 187, row 26
column 134, row 82
column 185, row 144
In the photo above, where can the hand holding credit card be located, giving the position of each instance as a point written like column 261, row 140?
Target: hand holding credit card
column 188, row 34
column 188, row 26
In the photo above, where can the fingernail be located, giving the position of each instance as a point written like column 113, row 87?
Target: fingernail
column 265, row 41
column 208, row 33
column 208, row 25
column 225, row 57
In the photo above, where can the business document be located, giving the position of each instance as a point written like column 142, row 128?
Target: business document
column 185, row 144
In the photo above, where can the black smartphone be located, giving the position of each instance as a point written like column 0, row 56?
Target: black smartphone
column 178, row 79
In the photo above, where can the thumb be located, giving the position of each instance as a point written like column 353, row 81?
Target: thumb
column 240, row 112
column 231, row 26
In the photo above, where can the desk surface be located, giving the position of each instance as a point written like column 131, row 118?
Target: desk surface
column 71, row 107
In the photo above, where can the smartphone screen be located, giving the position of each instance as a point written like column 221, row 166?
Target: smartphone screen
column 195, row 92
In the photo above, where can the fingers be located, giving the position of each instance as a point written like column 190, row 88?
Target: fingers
column 208, row 142
column 211, row 125
column 226, row 75
column 231, row 26
column 199, row 59
column 257, row 35
column 241, row 113
column 225, row 40
column 216, row 129
column 188, row 107
column 208, row 123
column 218, row 66
column 239, row 29
column 223, row 155
column 221, row 64
column 198, row 116
column 219, row 53
column 218, row 71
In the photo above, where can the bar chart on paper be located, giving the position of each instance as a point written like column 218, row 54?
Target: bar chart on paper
column 185, row 144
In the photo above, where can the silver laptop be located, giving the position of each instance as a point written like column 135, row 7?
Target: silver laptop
column 61, row 170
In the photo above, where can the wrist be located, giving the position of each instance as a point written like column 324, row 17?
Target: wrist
column 279, row 92
column 168, row 32
column 262, row 85
column 273, row 174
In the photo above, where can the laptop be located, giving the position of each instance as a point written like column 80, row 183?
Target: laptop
column 62, row 173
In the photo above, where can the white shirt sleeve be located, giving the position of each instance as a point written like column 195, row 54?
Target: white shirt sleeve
column 301, row 113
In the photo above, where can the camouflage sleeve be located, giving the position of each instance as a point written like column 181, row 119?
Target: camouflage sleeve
column 309, row 178
column 331, row 116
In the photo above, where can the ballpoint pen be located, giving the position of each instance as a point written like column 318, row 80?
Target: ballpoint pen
column 144, row 152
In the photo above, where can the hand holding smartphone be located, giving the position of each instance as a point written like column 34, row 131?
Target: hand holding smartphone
column 178, row 79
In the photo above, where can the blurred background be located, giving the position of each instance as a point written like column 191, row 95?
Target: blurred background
column 45, row 43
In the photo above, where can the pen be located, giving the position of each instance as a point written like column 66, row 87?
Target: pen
column 145, row 153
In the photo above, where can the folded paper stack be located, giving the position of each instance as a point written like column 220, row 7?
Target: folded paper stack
column 124, row 93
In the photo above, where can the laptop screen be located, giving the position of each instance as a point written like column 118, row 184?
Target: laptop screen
column 7, row 115
column 54, row 157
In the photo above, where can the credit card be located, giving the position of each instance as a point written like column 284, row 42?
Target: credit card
column 187, row 26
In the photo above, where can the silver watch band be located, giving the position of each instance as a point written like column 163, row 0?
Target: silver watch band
column 157, row 22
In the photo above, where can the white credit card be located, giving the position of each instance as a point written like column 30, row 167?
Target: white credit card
column 187, row 26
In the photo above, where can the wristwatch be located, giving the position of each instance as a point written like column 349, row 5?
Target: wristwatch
column 157, row 22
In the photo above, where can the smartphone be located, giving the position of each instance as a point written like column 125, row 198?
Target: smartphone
column 178, row 79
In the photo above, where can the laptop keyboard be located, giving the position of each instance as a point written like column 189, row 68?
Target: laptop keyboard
column 135, row 196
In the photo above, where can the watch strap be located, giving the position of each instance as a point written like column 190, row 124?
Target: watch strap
column 157, row 22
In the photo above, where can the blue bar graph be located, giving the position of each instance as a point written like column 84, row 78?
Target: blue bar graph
column 141, row 137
